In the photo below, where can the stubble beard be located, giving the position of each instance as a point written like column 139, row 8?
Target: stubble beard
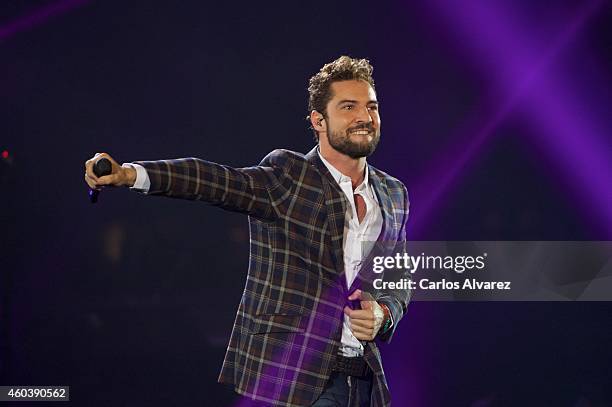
column 341, row 142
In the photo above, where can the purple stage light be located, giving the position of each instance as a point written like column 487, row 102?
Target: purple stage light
column 38, row 17
column 520, row 65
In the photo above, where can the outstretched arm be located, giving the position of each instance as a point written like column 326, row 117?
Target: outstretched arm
column 257, row 191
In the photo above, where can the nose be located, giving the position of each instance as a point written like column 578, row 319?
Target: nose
column 364, row 115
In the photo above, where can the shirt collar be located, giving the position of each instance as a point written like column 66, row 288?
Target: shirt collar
column 339, row 177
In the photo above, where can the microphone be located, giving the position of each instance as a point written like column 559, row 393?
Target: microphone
column 101, row 168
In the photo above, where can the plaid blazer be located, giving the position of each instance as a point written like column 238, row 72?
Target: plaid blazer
column 288, row 326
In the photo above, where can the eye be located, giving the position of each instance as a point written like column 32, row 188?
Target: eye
column 347, row 107
column 373, row 107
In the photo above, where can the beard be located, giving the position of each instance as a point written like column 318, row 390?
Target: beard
column 341, row 141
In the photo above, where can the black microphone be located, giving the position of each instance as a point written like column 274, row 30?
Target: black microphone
column 101, row 168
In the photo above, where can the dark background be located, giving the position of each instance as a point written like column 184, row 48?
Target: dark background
column 131, row 301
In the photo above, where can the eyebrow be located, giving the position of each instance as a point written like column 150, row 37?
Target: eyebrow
column 354, row 101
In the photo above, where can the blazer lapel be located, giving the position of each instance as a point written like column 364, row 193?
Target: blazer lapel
column 383, row 244
column 386, row 205
column 336, row 204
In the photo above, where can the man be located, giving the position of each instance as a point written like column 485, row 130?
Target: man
column 305, row 327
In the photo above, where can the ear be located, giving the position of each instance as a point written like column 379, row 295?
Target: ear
column 317, row 120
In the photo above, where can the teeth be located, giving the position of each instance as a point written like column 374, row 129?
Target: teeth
column 362, row 132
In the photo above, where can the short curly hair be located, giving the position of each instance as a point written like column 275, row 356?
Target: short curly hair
column 342, row 69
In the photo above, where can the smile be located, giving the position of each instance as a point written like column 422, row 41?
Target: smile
column 361, row 132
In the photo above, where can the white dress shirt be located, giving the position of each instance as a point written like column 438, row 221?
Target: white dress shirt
column 358, row 241
column 356, row 235
column 143, row 182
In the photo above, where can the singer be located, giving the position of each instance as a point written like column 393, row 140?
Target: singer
column 306, row 325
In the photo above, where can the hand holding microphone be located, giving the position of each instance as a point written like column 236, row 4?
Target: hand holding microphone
column 101, row 170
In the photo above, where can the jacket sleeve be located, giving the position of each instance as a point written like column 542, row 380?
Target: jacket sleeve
column 397, row 300
column 257, row 191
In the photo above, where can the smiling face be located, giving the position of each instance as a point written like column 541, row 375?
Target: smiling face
column 352, row 118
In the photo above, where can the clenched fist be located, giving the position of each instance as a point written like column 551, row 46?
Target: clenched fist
column 367, row 321
column 119, row 176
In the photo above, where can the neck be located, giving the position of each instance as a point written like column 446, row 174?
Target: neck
column 351, row 167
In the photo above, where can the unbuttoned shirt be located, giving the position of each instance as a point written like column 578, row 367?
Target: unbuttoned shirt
column 358, row 241
column 358, row 237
